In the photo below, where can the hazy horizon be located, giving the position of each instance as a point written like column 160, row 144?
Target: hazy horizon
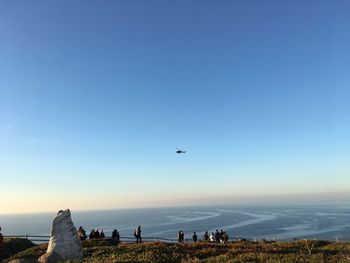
column 95, row 98
column 222, row 201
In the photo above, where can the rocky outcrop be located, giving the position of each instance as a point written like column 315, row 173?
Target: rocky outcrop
column 64, row 243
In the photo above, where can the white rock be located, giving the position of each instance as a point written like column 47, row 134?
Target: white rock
column 64, row 237
column 51, row 257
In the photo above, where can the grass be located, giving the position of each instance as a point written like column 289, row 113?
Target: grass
column 270, row 252
column 15, row 245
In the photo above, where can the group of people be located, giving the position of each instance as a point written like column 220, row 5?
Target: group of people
column 96, row 234
column 219, row 237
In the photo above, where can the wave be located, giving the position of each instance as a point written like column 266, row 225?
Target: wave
column 192, row 217
column 201, row 216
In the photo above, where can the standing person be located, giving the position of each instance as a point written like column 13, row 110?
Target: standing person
column 225, row 237
column 102, row 235
column 82, row 233
column 182, row 236
column 92, row 234
column 179, row 236
column 115, row 235
column 212, row 237
column 221, row 235
column 1, row 244
column 206, row 236
column 137, row 234
column 194, row 236
column 217, row 236
column 97, row 234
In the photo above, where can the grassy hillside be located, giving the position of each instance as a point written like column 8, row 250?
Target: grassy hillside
column 15, row 245
column 299, row 251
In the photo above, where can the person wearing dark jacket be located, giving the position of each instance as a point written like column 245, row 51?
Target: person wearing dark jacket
column 206, row 236
column 217, row 236
column 92, row 234
column 225, row 237
column 221, row 235
column 97, row 234
column 181, row 236
column 137, row 234
column 82, row 233
column 115, row 235
column 194, row 236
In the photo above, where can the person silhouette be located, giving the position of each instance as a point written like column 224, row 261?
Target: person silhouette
column 137, row 234
column 195, row 237
column 1, row 245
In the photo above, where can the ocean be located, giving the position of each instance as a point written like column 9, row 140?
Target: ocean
column 280, row 222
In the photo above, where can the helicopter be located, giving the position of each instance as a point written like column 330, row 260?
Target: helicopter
column 180, row 151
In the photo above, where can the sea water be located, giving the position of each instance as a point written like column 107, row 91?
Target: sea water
column 280, row 222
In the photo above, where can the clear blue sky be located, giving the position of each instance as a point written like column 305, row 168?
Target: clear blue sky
column 96, row 96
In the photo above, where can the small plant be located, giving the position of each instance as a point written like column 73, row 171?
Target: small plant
column 309, row 247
